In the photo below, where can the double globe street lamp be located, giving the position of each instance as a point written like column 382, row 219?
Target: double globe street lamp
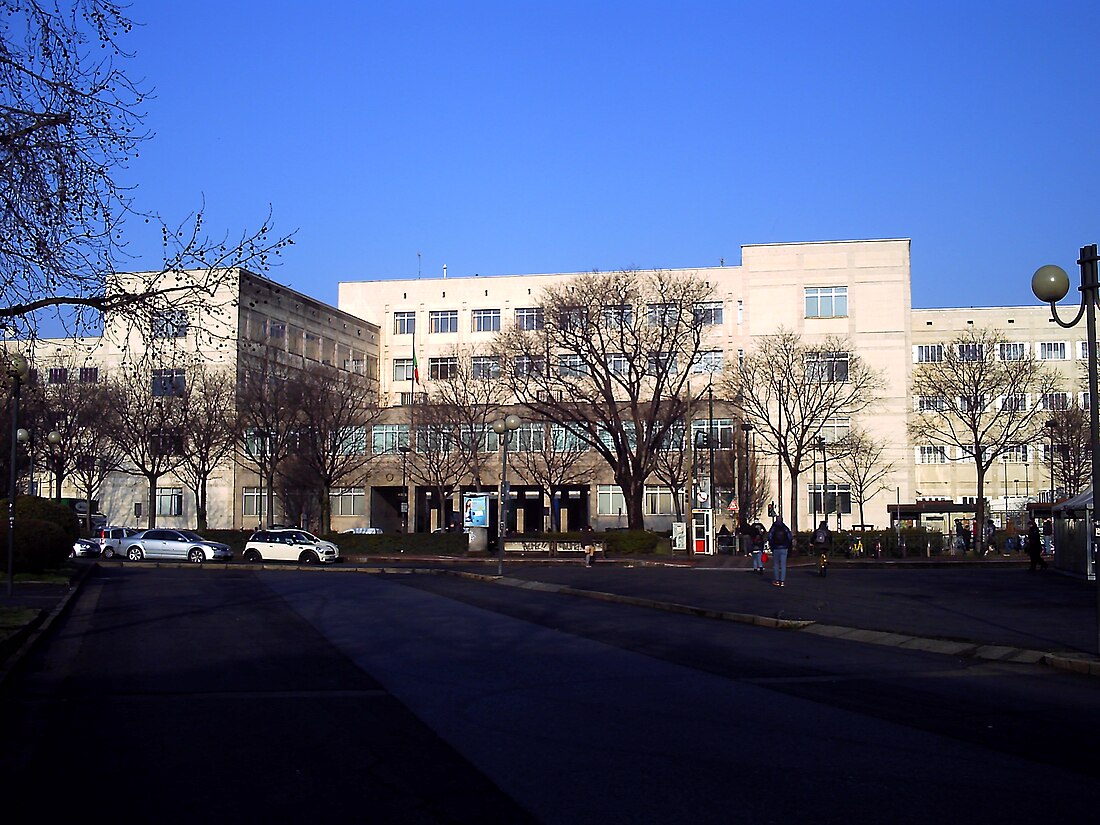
column 504, row 427
column 1050, row 284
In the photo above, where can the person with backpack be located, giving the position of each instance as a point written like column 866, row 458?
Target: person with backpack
column 780, row 540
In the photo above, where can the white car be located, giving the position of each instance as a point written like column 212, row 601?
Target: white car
column 290, row 544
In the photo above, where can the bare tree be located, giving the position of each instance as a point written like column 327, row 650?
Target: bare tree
column 436, row 460
column 860, row 464
column 337, row 409
column 553, row 459
column 790, row 388
column 70, row 121
column 978, row 398
column 611, row 360
column 97, row 455
column 673, row 468
column 151, row 421
column 209, row 429
column 1068, row 431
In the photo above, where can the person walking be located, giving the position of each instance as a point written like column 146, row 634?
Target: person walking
column 1035, row 547
column 780, row 541
column 757, row 532
column 588, row 544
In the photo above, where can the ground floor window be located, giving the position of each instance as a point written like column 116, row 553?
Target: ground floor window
column 253, row 504
column 826, row 501
column 658, row 501
column 610, row 500
column 348, row 501
column 170, row 501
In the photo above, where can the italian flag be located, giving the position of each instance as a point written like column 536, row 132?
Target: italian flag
column 416, row 370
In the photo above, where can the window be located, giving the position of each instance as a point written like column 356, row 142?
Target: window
column 443, row 320
column 708, row 361
column 313, row 346
column 618, row 364
column 970, row 404
column 1013, row 351
column 526, row 365
column 971, row 352
column 350, row 440
column 166, row 443
column 404, row 323
column 929, row 353
column 568, row 439
column 253, row 503
column 621, row 315
column 169, row 501
column 836, row 429
column 1056, row 401
column 58, row 375
column 1015, row 454
column 168, row 382
column 932, row 455
column 89, row 375
column 347, row 501
column 829, row 499
column 721, row 429
column 441, row 369
column 275, row 330
column 931, row 403
column 826, row 301
column 386, row 438
column 570, row 365
column 529, row 318
column 1017, row 402
column 828, row 367
column 1052, row 351
column 610, row 501
column 573, row 318
column 1083, row 350
column 170, row 323
column 485, row 320
column 626, row 428
column 529, row 437
column 658, row 501
column 708, row 313
column 661, row 363
column 402, row 369
column 435, row 439
column 484, row 366
column 662, row 315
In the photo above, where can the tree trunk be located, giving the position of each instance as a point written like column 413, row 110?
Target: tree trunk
column 792, row 521
column 326, row 510
column 200, row 506
column 979, row 513
column 152, row 502
column 634, row 496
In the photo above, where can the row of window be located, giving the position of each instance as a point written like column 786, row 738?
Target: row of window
column 1006, row 351
column 658, row 501
column 1015, row 454
column 488, row 366
column 63, row 375
column 1016, row 402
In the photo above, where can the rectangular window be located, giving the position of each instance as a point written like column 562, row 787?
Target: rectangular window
column 170, row 323
column 89, row 375
column 932, row 455
column 835, row 430
column 530, row 437
column 386, row 438
column 313, row 346
column 435, row 439
column 568, row 439
column 929, row 353
column 931, row 403
column 275, row 330
column 1013, row 351
column 168, row 382
column 443, row 320
column 826, row 302
column 485, row 320
column 662, row 315
column 824, row 499
column 166, row 443
column 610, row 501
column 618, row 364
column 971, row 352
column 442, row 369
column 828, row 367
column 719, row 432
column 484, row 366
column 661, row 363
column 708, row 361
column 1017, row 402
column 529, row 318
column 404, row 323
column 350, row 441
column 1083, row 350
column 169, row 501
column 1015, row 454
column 618, row 316
column 526, row 365
column 347, row 501
column 253, row 502
column 402, row 369
column 570, row 365
column 1056, row 401
column 58, row 375
column 573, row 318
column 708, row 313
column 1052, row 351
column 658, row 501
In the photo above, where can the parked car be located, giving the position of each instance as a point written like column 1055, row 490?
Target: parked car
column 111, row 538
column 174, row 544
column 84, row 547
column 289, row 545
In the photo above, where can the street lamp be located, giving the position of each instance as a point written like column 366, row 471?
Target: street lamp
column 746, row 428
column 504, row 427
column 824, row 480
column 18, row 369
column 1050, row 284
column 1050, row 432
column 404, row 450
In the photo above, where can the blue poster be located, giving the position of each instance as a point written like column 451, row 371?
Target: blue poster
column 475, row 510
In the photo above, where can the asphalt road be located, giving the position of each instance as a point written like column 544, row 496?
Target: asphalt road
column 178, row 694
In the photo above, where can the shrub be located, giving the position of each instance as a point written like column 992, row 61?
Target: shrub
column 630, row 542
column 43, row 509
column 38, row 545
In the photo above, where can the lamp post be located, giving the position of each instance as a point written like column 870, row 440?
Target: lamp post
column 1050, row 284
column 824, row 479
column 404, row 450
column 745, row 492
column 504, row 427
column 18, row 370
column 1050, row 432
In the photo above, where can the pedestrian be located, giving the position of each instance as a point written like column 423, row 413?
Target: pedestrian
column 822, row 539
column 588, row 545
column 780, row 541
column 1048, row 537
column 757, row 532
column 1035, row 547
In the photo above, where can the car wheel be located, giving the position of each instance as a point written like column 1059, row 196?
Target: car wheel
column 135, row 553
column 109, row 552
column 196, row 556
column 308, row 557
column 252, row 556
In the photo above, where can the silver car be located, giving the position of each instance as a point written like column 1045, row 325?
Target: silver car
column 180, row 545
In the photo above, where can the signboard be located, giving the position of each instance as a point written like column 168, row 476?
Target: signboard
column 475, row 510
column 679, row 535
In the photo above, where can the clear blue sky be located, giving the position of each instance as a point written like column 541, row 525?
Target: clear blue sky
column 529, row 137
